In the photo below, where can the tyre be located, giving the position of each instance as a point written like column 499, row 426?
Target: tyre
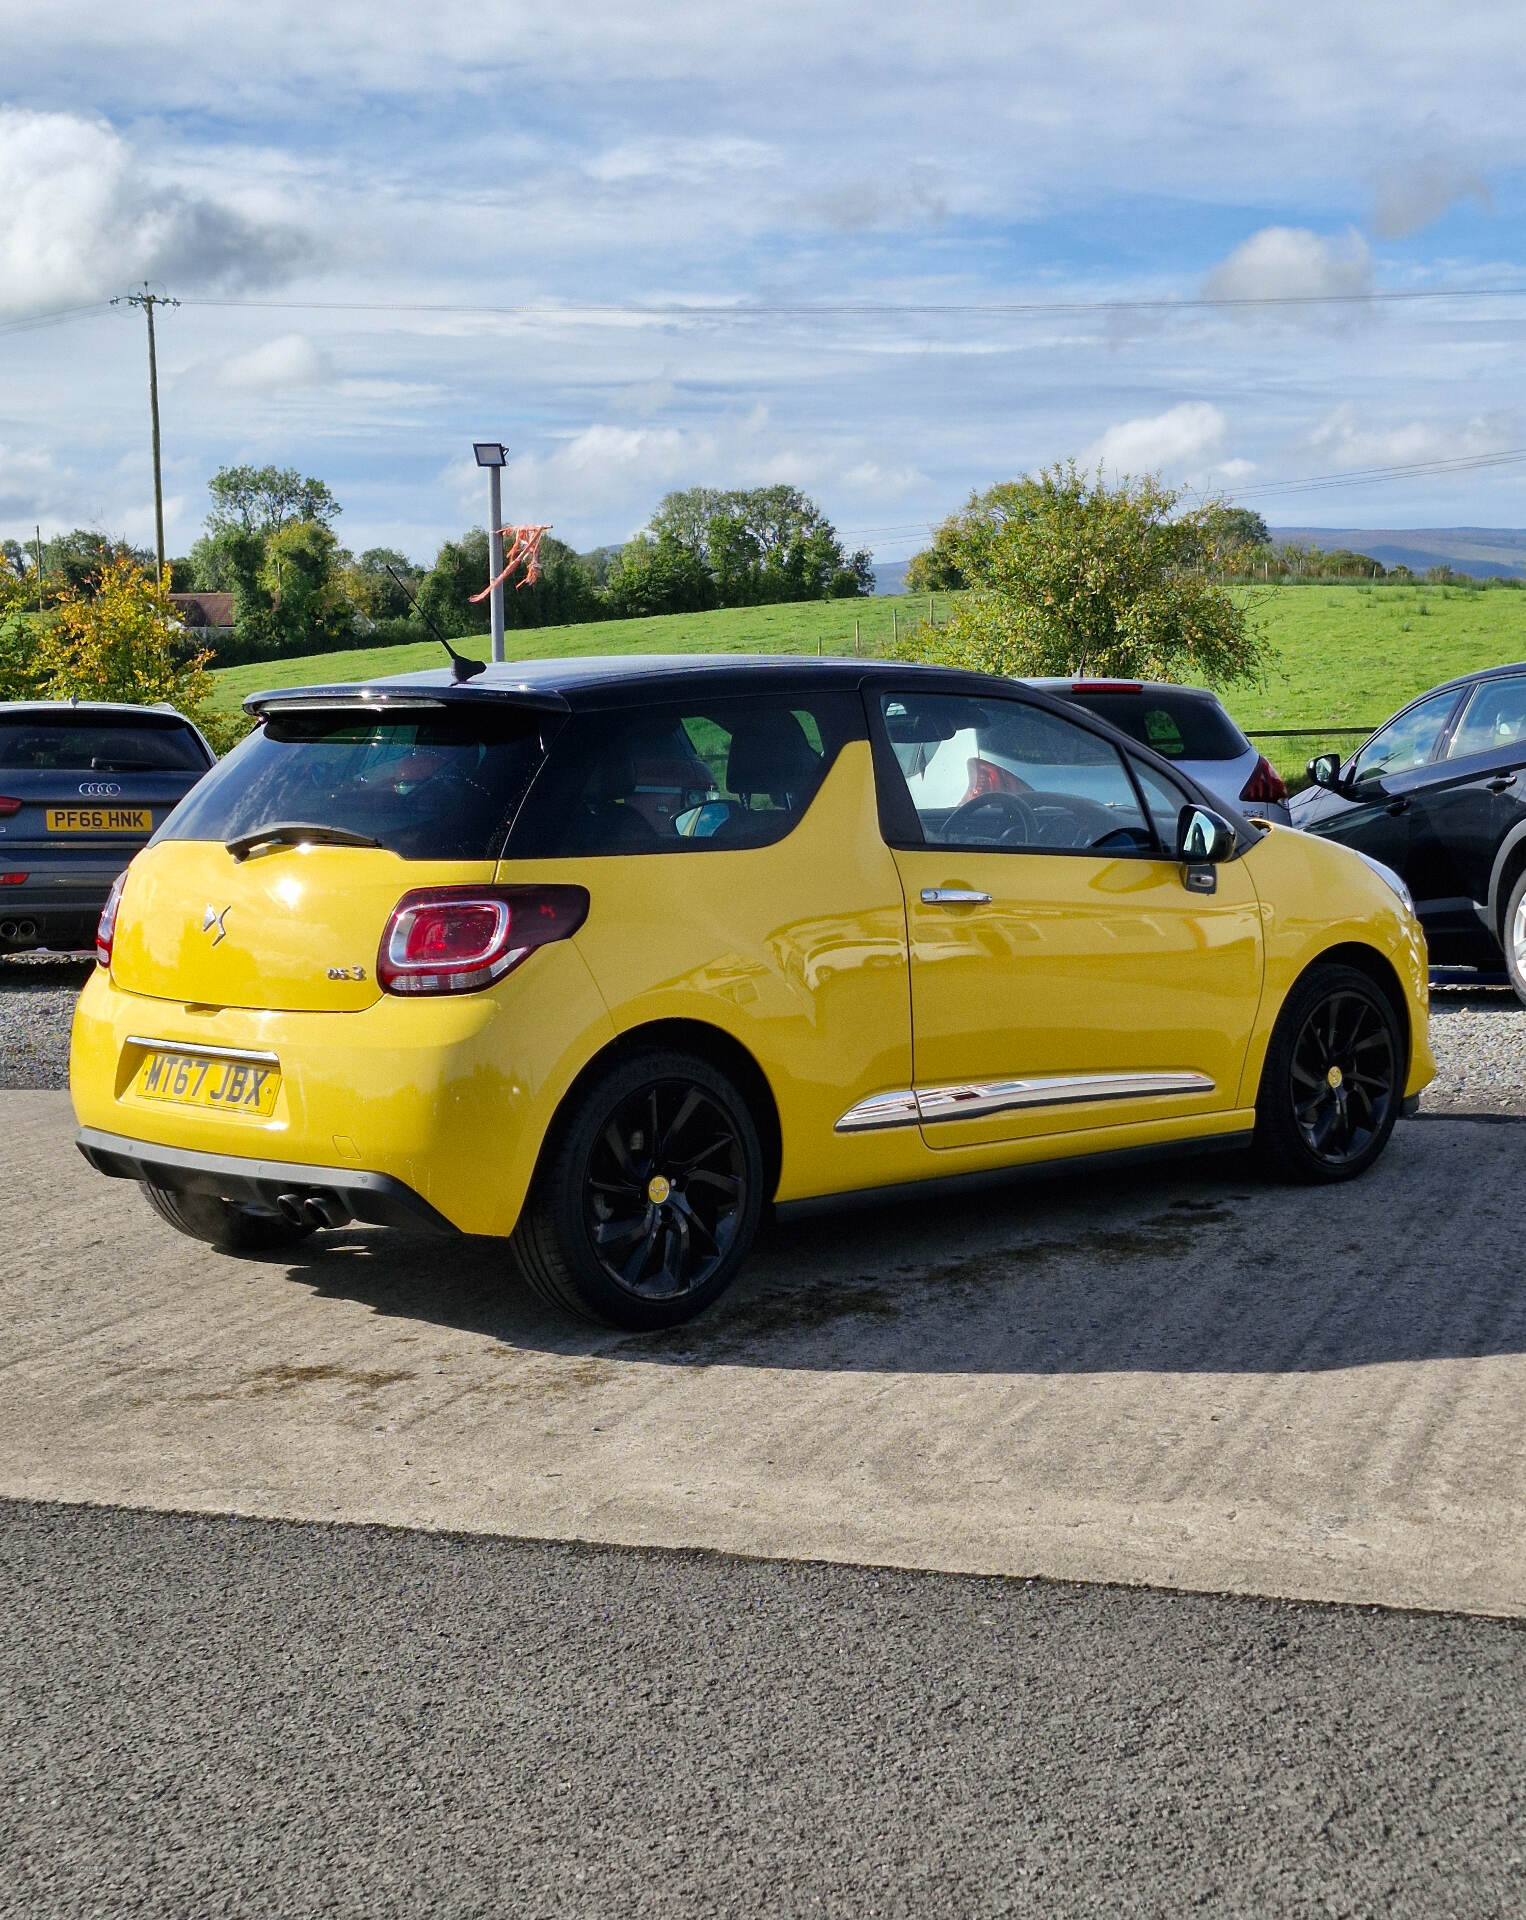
column 224, row 1224
column 648, row 1195
column 1333, row 1082
column 1514, row 941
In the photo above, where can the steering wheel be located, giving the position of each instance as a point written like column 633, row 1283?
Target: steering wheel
column 1068, row 820
column 1022, row 823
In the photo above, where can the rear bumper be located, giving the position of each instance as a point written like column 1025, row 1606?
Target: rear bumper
column 344, row 1192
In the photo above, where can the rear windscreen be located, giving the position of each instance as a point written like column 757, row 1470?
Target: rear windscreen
column 1176, row 727
column 428, row 785
column 68, row 742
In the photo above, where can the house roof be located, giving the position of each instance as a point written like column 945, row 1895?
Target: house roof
column 204, row 609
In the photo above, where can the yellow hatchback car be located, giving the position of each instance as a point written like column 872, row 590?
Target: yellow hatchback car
column 604, row 957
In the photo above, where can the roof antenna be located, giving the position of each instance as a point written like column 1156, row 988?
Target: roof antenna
column 461, row 668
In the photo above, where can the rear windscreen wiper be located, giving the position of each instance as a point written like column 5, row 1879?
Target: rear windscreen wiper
column 295, row 833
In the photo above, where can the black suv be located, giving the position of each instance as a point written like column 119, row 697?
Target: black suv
column 1439, row 795
column 83, row 783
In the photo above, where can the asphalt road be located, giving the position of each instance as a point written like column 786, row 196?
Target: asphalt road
column 208, row 1716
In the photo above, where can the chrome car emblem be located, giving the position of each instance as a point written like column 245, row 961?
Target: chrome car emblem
column 347, row 973
column 212, row 918
column 99, row 789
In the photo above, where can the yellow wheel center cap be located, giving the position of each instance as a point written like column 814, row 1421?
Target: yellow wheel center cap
column 658, row 1188
column 1334, row 1077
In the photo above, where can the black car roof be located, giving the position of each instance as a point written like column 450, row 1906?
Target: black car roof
column 601, row 679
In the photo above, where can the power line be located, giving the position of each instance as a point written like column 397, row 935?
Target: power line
column 29, row 321
column 833, row 309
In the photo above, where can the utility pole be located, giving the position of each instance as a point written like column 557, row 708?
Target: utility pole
column 493, row 455
column 148, row 301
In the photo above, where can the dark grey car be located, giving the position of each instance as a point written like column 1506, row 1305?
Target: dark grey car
column 82, row 786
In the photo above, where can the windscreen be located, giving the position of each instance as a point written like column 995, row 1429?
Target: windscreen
column 70, row 742
column 428, row 784
column 1176, row 726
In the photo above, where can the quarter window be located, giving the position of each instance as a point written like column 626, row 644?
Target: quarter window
column 722, row 774
column 1001, row 773
column 1495, row 717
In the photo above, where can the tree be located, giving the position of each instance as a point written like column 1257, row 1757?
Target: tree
column 124, row 643
column 20, row 675
column 659, row 576
column 371, row 588
column 760, row 544
column 1070, row 575
column 445, row 594
column 1237, row 527
column 263, row 500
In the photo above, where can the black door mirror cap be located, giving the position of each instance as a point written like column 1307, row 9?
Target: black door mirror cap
column 1325, row 771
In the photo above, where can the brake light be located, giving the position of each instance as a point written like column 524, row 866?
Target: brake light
column 106, row 927
column 8, row 806
column 1265, row 784
column 986, row 777
column 461, row 939
column 12, row 879
column 1107, row 686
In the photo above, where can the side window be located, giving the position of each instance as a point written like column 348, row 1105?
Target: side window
column 1407, row 742
column 1494, row 717
column 1001, row 773
column 684, row 779
column 1164, row 801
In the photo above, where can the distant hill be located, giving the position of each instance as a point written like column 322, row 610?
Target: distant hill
column 1483, row 551
column 890, row 576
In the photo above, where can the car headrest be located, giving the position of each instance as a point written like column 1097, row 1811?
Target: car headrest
column 770, row 754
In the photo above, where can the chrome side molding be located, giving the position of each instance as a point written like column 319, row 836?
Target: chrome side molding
column 912, row 1107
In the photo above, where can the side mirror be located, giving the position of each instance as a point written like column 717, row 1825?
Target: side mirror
column 1203, row 838
column 1325, row 771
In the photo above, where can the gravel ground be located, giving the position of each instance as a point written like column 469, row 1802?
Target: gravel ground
column 1478, row 1035
column 207, row 1716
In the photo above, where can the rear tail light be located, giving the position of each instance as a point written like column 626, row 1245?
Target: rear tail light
column 461, row 939
column 12, row 879
column 8, row 806
column 987, row 777
column 1265, row 784
column 106, row 927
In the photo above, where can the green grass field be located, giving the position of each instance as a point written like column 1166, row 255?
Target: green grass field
column 1344, row 656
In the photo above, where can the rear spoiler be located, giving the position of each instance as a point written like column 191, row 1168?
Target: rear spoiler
column 395, row 694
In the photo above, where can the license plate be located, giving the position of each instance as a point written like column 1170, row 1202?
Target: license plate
column 197, row 1080
column 100, row 820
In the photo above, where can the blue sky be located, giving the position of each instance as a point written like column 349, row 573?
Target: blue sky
column 319, row 184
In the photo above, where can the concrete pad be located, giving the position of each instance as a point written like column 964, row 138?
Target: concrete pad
column 1186, row 1378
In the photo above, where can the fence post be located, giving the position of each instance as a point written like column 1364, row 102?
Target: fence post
column 895, row 629
column 855, row 637
column 929, row 610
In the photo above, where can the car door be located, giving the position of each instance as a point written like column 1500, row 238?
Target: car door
column 1466, row 802
column 1062, row 975
column 1373, row 810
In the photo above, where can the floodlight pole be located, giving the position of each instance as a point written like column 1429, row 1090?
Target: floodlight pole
column 495, row 555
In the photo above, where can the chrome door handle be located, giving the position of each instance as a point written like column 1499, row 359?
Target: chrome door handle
column 1397, row 806
column 1501, row 781
column 954, row 897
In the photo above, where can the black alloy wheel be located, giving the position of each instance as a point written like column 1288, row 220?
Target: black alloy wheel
column 1333, row 1083
column 649, row 1200
column 666, row 1182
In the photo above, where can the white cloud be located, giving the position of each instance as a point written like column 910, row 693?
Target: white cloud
column 290, row 361
column 82, row 216
column 1189, row 434
column 1343, row 439
column 1291, row 263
